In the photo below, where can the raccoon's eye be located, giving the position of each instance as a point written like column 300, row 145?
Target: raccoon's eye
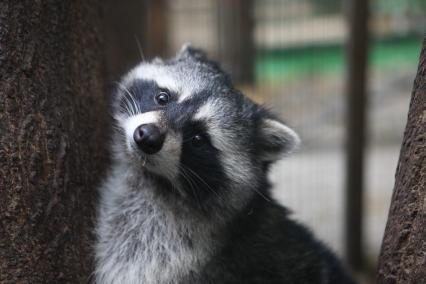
column 162, row 98
column 198, row 140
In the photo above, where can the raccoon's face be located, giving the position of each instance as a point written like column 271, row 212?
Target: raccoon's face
column 183, row 121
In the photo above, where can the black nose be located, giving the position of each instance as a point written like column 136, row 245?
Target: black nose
column 149, row 138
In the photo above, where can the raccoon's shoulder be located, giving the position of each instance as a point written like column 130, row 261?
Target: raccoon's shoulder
column 267, row 246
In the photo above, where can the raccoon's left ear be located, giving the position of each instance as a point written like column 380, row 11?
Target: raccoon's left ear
column 275, row 140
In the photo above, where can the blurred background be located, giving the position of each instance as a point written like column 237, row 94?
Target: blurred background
column 339, row 72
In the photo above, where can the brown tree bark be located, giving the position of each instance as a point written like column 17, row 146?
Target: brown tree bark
column 51, row 118
column 236, row 38
column 403, row 254
column 135, row 30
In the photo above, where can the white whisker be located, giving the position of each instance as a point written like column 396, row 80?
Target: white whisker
column 138, row 43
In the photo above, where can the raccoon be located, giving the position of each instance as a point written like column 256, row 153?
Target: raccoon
column 187, row 197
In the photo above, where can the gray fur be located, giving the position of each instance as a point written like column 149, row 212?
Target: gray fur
column 199, row 215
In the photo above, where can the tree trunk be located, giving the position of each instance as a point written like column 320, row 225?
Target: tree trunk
column 123, row 25
column 134, row 31
column 357, row 14
column 155, row 28
column 403, row 255
column 51, row 129
column 236, row 38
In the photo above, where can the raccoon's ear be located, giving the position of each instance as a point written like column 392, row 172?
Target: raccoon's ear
column 188, row 51
column 275, row 140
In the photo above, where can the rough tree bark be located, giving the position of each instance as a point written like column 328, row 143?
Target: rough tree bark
column 403, row 254
column 51, row 118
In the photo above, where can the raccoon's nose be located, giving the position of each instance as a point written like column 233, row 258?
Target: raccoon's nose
column 149, row 138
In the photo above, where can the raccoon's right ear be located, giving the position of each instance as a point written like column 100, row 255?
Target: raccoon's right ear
column 188, row 51
column 275, row 139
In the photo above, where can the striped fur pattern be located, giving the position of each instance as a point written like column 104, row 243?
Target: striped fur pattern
column 199, row 210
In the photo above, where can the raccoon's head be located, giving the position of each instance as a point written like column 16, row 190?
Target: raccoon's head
column 181, row 120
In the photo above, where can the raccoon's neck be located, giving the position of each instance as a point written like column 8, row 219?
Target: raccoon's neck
column 145, row 239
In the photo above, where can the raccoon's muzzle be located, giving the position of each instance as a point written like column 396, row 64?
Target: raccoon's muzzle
column 149, row 138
